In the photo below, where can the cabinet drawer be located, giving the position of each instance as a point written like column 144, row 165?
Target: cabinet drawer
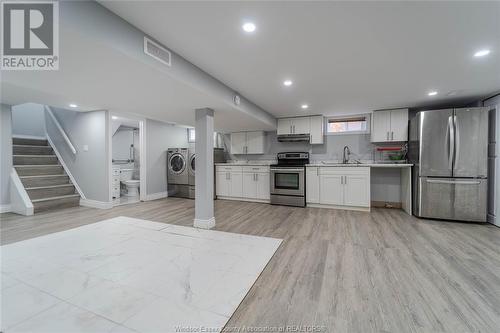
column 344, row 170
column 231, row 168
column 116, row 172
column 116, row 179
column 254, row 169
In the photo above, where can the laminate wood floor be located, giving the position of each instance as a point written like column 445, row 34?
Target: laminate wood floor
column 337, row 271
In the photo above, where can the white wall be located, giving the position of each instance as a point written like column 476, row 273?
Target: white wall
column 122, row 139
column 89, row 168
column 159, row 137
column 5, row 155
column 28, row 120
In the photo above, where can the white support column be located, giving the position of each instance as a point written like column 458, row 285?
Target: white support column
column 204, row 196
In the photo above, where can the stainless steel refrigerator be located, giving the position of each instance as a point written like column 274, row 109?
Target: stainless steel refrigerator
column 449, row 149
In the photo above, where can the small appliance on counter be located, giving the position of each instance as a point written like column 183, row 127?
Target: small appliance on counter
column 288, row 181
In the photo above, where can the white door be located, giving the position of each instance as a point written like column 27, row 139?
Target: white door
column 238, row 143
column 236, row 180
column 399, row 125
column 263, row 185
column 317, row 128
column 284, row 126
column 301, row 125
column 381, row 126
column 222, row 185
column 331, row 190
column 255, row 143
column 312, row 185
column 249, row 189
column 357, row 190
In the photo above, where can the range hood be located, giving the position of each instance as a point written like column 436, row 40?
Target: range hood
column 294, row 137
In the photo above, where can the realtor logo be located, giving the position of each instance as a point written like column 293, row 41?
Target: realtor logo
column 30, row 38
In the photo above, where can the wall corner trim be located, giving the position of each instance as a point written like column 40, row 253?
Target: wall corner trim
column 96, row 204
column 204, row 224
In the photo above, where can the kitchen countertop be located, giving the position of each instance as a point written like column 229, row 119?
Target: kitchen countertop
column 371, row 165
column 249, row 163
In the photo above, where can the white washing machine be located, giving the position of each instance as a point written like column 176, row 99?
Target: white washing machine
column 177, row 172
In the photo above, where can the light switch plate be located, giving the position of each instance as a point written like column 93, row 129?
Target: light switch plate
column 85, row 148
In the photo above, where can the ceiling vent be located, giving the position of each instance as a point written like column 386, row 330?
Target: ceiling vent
column 157, row 51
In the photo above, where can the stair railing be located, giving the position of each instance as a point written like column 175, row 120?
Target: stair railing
column 61, row 130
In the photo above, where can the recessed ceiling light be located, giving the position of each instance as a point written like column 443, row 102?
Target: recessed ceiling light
column 72, row 105
column 249, row 27
column 481, row 53
column 114, row 117
column 304, row 106
column 287, row 83
column 432, row 93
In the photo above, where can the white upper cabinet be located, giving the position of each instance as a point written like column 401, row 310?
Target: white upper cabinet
column 317, row 130
column 248, row 142
column 390, row 125
column 303, row 125
column 238, row 143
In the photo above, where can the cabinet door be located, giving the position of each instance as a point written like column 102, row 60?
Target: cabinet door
column 255, row 143
column 317, row 130
column 284, row 126
column 312, row 185
column 381, row 126
column 399, row 125
column 301, row 125
column 357, row 190
column 249, row 189
column 331, row 190
column 222, row 183
column 236, row 184
column 238, row 142
column 263, row 186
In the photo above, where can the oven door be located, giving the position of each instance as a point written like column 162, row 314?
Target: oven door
column 287, row 181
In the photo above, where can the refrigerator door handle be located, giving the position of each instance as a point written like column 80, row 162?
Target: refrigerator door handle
column 451, row 142
column 457, row 182
column 457, row 140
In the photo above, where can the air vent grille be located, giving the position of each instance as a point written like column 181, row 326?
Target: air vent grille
column 157, row 51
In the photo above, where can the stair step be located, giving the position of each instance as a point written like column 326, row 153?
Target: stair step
column 50, row 191
column 44, row 180
column 32, row 150
column 35, row 159
column 64, row 201
column 30, row 142
column 38, row 170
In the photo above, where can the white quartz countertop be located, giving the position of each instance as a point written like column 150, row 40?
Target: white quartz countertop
column 249, row 163
column 371, row 165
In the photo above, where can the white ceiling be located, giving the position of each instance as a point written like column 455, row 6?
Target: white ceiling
column 97, row 77
column 344, row 57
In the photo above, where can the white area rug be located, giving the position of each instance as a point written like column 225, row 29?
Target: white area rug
column 128, row 275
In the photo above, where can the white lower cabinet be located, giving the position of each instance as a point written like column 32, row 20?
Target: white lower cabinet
column 243, row 182
column 338, row 187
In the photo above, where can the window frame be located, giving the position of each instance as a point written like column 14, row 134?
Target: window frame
column 189, row 130
column 367, row 117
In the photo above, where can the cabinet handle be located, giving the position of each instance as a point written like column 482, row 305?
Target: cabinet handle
column 392, row 136
column 256, row 177
column 345, row 180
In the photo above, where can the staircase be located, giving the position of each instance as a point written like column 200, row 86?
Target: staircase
column 44, row 179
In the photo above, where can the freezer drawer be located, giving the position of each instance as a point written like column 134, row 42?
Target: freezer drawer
column 453, row 199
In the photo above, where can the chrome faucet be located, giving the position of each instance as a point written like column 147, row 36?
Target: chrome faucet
column 345, row 155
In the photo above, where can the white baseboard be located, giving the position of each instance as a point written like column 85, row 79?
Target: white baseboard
column 5, row 208
column 156, row 196
column 96, row 204
column 204, row 224
column 35, row 137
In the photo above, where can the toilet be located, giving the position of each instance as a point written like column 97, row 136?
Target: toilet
column 131, row 185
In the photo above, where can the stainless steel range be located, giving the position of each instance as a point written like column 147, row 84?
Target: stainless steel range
column 288, row 181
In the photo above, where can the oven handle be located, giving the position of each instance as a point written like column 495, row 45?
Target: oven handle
column 287, row 170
